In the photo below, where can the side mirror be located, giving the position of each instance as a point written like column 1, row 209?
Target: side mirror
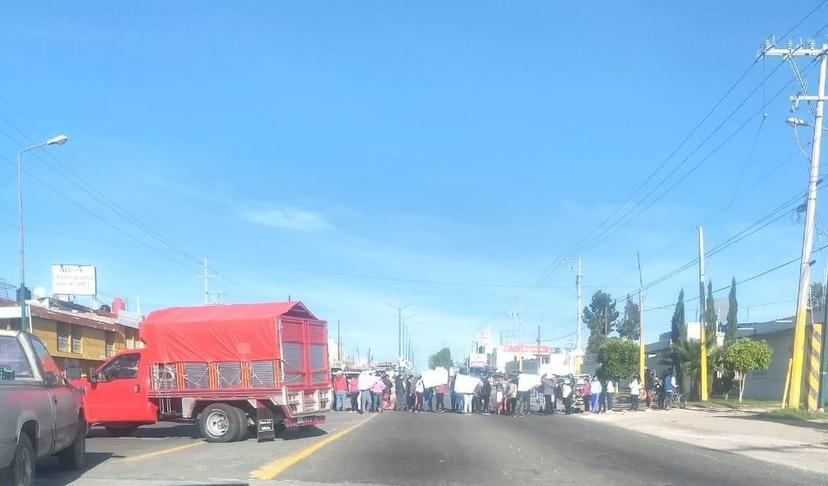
column 92, row 376
column 52, row 379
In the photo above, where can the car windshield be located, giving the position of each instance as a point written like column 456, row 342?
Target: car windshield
column 431, row 242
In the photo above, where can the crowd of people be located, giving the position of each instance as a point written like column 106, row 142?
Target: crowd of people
column 495, row 395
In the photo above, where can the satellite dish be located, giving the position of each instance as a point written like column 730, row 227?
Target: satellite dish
column 39, row 293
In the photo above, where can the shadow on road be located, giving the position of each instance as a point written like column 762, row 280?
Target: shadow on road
column 301, row 433
column 186, row 431
column 50, row 472
column 779, row 420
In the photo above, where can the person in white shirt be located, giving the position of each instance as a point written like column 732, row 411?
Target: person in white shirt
column 609, row 391
column 595, row 389
column 635, row 390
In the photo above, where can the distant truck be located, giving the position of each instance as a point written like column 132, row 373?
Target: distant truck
column 225, row 366
column 40, row 412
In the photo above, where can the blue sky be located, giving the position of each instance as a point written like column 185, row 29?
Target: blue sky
column 350, row 155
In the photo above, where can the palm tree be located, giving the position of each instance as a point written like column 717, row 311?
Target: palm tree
column 688, row 355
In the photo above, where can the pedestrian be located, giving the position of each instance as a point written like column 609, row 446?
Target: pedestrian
column 468, row 401
column 340, row 386
column 649, row 388
column 610, row 394
column 602, row 401
column 635, row 390
column 595, row 390
column 500, row 397
column 566, row 395
column 485, row 395
column 386, row 392
column 400, row 391
column 586, row 393
column 511, row 395
column 548, row 385
column 365, row 400
column 453, row 394
column 428, row 396
column 353, row 390
column 377, row 391
column 440, row 392
column 419, row 389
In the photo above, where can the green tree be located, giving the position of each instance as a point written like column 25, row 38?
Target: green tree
column 816, row 297
column 688, row 355
column 746, row 355
column 618, row 358
column 441, row 358
column 732, row 313
column 600, row 317
column 678, row 336
column 711, row 320
column 630, row 325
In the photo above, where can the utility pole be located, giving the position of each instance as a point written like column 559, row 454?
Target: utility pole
column 520, row 338
column 399, row 325
column 641, row 345
column 798, row 350
column 206, row 277
column 702, row 337
column 578, row 320
column 537, row 351
column 823, row 362
column 338, row 344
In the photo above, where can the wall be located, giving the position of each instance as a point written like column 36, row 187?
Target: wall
column 93, row 344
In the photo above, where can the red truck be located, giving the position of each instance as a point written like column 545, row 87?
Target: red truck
column 226, row 366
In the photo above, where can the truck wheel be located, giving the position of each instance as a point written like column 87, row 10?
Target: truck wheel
column 120, row 430
column 22, row 469
column 242, row 424
column 219, row 422
column 74, row 456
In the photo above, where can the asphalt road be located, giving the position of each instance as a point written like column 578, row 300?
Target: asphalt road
column 405, row 448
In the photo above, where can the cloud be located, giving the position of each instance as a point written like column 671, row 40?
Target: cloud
column 288, row 218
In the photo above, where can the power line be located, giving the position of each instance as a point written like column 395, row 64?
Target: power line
column 400, row 279
column 752, row 277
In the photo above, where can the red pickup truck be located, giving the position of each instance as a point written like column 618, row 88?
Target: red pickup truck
column 225, row 366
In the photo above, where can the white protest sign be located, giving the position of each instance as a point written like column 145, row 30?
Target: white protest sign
column 437, row 376
column 528, row 381
column 465, row 384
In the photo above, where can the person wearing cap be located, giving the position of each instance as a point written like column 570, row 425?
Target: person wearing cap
column 340, row 386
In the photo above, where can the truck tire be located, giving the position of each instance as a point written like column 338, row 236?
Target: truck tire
column 242, row 424
column 120, row 430
column 219, row 422
column 21, row 472
column 74, row 456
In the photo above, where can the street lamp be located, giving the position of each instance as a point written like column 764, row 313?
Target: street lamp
column 794, row 122
column 21, row 292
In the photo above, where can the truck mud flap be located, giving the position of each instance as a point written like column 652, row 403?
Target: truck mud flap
column 265, row 424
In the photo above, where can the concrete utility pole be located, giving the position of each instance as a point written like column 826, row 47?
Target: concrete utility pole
column 338, row 344
column 702, row 337
column 206, row 277
column 641, row 346
column 537, row 350
column 798, row 350
column 520, row 338
column 579, row 322
column 399, row 325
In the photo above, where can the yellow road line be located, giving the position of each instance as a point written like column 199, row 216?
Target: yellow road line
column 270, row 471
column 162, row 451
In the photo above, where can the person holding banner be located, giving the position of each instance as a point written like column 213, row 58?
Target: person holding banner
column 419, row 389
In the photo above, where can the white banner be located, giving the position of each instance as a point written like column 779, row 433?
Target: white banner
column 465, row 384
column 74, row 280
column 528, row 381
column 437, row 376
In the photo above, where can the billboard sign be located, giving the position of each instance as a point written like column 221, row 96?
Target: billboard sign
column 74, row 280
column 526, row 348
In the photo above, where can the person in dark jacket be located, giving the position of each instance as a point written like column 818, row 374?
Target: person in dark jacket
column 485, row 395
column 401, row 392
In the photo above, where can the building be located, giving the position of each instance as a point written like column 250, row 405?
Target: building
column 765, row 384
column 76, row 336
